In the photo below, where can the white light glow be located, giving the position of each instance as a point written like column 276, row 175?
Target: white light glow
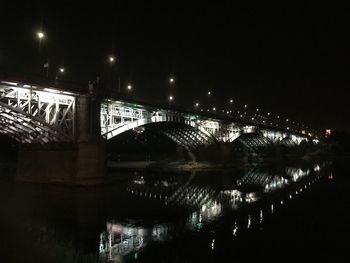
column 40, row 35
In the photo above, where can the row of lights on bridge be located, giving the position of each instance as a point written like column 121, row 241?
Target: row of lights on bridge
column 41, row 35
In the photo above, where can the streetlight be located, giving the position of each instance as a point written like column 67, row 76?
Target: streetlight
column 60, row 72
column 196, row 105
column 40, row 35
column 209, row 93
column 231, row 100
column 111, row 59
column 171, row 80
column 129, row 87
column 171, row 98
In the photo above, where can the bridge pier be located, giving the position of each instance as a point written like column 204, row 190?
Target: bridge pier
column 71, row 164
column 78, row 163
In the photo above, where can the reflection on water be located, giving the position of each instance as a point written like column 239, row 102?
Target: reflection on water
column 244, row 200
column 120, row 240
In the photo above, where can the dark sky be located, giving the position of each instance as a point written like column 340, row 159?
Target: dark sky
column 291, row 62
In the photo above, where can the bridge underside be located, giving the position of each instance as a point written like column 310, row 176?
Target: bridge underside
column 25, row 129
column 195, row 142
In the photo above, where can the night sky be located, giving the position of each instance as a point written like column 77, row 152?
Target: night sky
column 290, row 62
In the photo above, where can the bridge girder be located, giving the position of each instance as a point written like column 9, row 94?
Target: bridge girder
column 118, row 117
column 30, row 114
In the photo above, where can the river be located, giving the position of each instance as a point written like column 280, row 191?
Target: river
column 297, row 212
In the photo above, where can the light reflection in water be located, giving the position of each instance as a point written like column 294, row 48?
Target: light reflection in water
column 207, row 203
column 122, row 239
column 249, row 221
column 235, row 228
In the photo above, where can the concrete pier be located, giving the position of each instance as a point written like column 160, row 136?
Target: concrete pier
column 81, row 162
column 78, row 164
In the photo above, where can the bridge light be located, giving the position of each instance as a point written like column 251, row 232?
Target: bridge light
column 40, row 35
column 111, row 59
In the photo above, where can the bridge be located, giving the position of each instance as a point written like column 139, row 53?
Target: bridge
column 52, row 124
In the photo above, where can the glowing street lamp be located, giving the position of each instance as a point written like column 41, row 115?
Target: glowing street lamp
column 40, row 35
column 129, row 87
column 61, row 70
column 231, row 100
column 111, row 59
column 197, row 104
column 209, row 93
column 171, row 80
column 171, row 98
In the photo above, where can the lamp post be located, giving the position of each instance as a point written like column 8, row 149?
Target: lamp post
column 170, row 100
column 60, row 71
column 41, row 36
column 111, row 60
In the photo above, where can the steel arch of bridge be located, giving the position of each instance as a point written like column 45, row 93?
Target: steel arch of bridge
column 31, row 114
column 34, row 114
column 118, row 117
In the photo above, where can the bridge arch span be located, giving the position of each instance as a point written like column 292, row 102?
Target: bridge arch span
column 192, row 139
column 253, row 141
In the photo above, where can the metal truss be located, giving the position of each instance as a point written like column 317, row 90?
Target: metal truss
column 118, row 117
column 254, row 140
column 288, row 141
column 30, row 114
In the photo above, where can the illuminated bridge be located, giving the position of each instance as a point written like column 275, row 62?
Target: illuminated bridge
column 53, row 117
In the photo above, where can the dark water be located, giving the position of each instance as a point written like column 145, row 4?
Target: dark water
column 296, row 212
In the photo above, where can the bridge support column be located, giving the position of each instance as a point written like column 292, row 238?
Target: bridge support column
column 79, row 163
